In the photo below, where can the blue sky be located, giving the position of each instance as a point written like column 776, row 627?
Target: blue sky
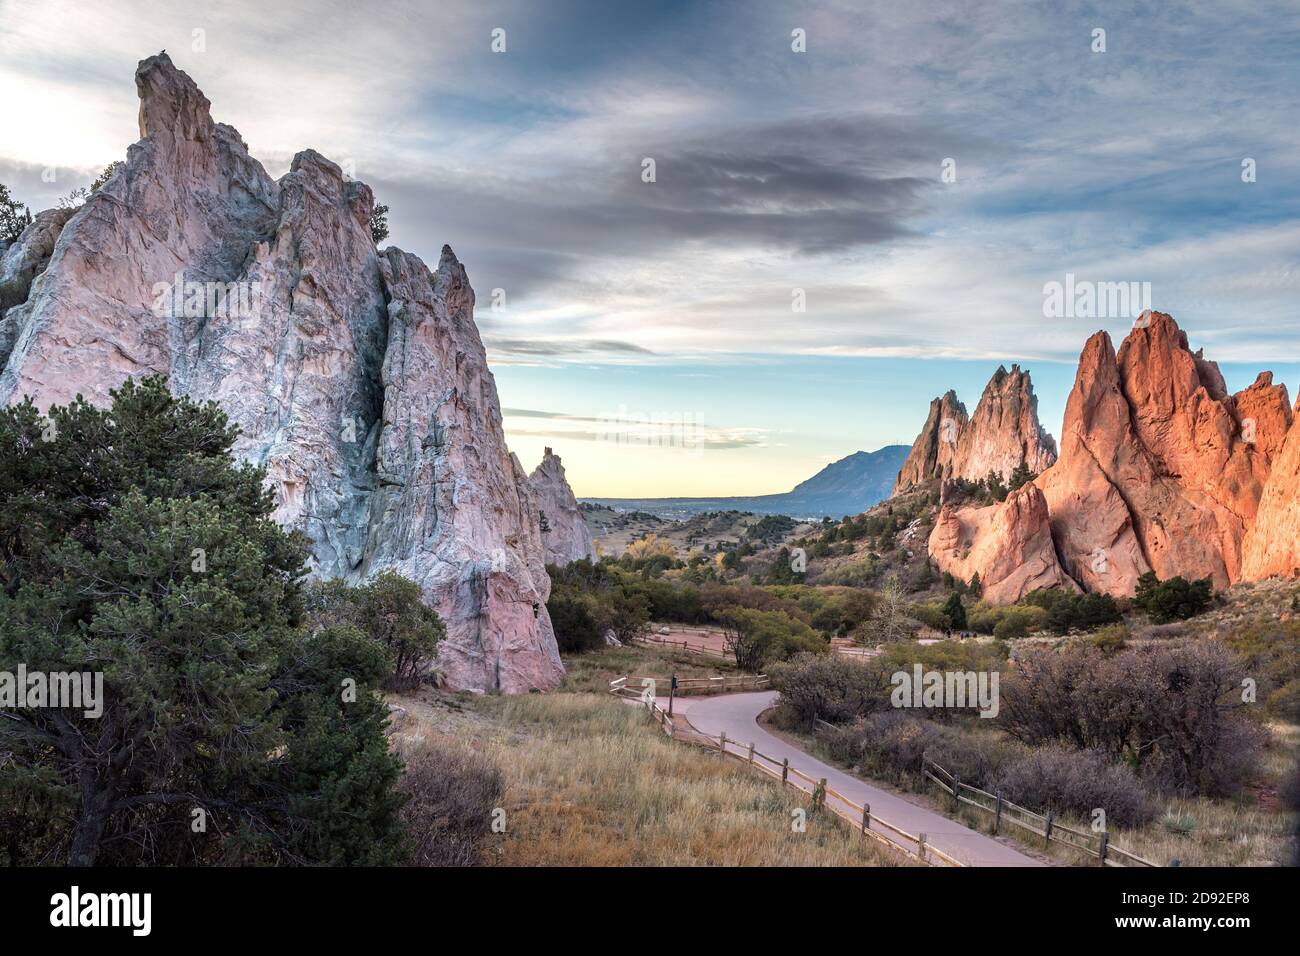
column 775, row 171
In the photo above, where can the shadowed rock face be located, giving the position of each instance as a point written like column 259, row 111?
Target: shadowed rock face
column 935, row 449
column 357, row 378
column 565, row 535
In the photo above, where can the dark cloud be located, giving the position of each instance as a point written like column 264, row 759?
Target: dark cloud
column 805, row 186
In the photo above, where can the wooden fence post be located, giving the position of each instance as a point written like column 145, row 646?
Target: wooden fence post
column 1101, row 848
column 956, row 793
column 997, row 813
column 920, row 846
column 1047, row 836
column 785, row 771
column 751, row 753
column 819, row 794
column 866, row 817
column 722, row 743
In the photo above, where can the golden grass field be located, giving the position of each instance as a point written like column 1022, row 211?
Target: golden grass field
column 591, row 781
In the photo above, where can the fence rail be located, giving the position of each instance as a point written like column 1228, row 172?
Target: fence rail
column 658, row 641
column 858, row 816
column 700, row 685
column 1096, row 845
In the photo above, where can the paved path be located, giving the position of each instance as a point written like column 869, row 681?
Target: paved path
column 736, row 715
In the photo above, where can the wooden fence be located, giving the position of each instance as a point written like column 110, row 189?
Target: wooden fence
column 699, row 685
column 858, row 816
column 1095, row 845
column 659, row 641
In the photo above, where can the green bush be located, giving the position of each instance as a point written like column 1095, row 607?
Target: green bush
column 575, row 620
column 1081, row 611
column 1176, row 599
column 132, row 544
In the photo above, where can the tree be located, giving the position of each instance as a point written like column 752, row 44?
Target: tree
column 1020, row 477
column 1176, row 599
column 890, row 622
column 955, row 612
column 14, row 216
column 379, row 223
column 393, row 613
column 109, row 172
column 133, row 547
column 626, row 614
column 755, row 637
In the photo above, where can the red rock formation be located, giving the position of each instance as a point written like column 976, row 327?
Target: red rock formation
column 935, row 447
column 1009, row 544
column 1154, row 471
column 1160, row 469
column 1003, row 434
column 1272, row 546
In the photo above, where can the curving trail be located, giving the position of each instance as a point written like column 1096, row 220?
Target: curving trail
column 736, row 715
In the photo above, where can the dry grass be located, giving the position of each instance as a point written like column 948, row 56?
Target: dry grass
column 591, row 672
column 590, row 782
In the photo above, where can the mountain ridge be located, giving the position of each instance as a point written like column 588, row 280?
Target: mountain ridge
column 848, row 486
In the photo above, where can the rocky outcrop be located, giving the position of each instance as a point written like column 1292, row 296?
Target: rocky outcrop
column 935, row 449
column 1004, row 432
column 1009, row 544
column 1155, row 472
column 1002, row 435
column 564, row 529
column 1160, row 469
column 357, row 378
column 1272, row 545
column 22, row 261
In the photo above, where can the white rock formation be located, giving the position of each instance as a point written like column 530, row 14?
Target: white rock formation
column 358, row 378
column 564, row 528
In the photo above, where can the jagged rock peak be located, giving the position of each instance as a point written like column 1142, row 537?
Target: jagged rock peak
column 1003, row 434
column 1157, row 469
column 564, row 527
column 358, row 381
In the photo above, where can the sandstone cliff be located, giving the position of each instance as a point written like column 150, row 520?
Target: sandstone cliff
column 1155, row 472
column 935, row 448
column 1160, row 469
column 564, row 529
column 357, row 377
column 1009, row 544
column 1272, row 545
column 1002, row 434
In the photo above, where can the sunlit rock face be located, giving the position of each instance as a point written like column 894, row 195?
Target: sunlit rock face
column 1157, row 469
column 1009, row 544
column 357, row 377
column 1002, row 435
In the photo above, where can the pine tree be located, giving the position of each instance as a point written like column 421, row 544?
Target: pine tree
column 132, row 545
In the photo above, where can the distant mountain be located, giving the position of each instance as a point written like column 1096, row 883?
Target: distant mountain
column 846, row 487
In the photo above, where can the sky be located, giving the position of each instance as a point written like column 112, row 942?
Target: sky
column 833, row 236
